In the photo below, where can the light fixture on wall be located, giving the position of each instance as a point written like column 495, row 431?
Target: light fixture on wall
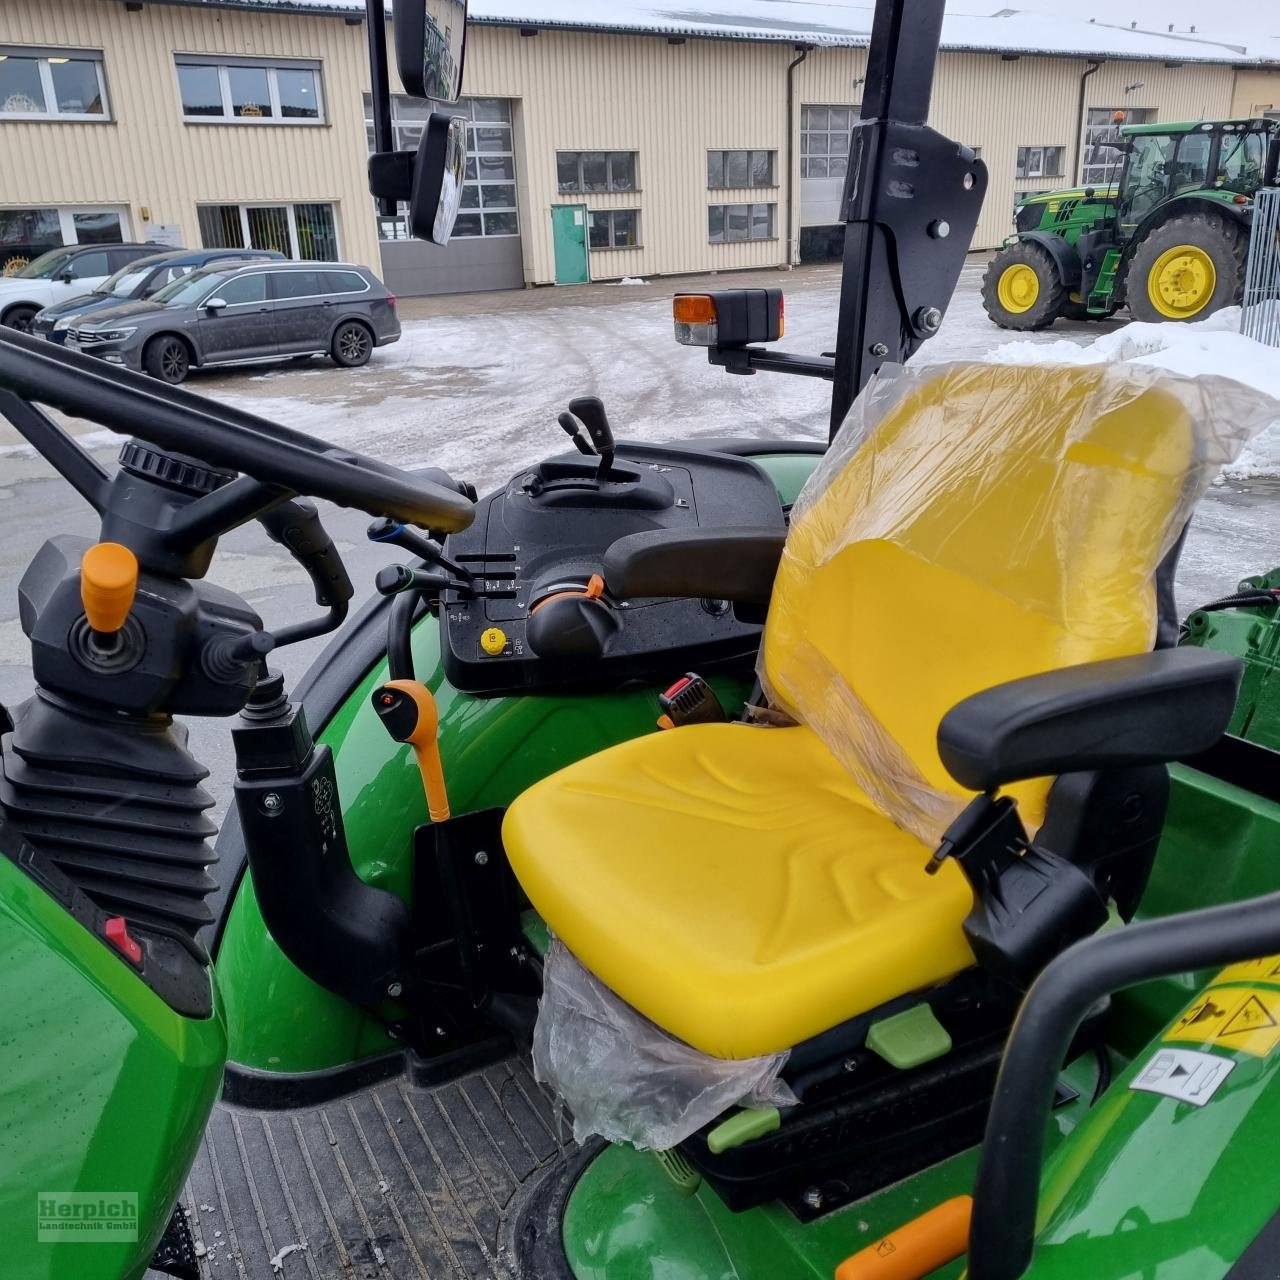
column 1135, row 86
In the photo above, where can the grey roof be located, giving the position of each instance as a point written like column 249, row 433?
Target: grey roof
column 814, row 22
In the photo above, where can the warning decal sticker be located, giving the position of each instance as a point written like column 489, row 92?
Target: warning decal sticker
column 1263, row 970
column 1246, row 1019
column 1184, row 1074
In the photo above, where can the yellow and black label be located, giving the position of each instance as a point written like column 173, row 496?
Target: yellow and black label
column 1267, row 969
column 1244, row 1019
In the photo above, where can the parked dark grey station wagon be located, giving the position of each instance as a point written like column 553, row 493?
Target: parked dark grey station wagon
column 246, row 313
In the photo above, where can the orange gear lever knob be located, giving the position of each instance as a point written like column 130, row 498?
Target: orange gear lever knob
column 108, row 584
column 409, row 711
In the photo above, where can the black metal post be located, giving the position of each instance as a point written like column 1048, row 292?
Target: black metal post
column 904, row 46
column 379, row 88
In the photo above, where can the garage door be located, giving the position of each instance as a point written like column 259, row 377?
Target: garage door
column 485, row 252
column 824, row 161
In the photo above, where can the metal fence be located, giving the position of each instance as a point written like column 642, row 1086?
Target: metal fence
column 1260, row 305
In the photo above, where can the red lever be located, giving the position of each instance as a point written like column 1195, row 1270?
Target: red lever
column 117, row 933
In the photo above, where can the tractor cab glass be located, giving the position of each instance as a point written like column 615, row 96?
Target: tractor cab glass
column 1242, row 160
column 1147, row 174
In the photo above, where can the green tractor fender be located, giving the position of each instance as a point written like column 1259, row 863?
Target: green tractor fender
column 1065, row 256
column 1222, row 203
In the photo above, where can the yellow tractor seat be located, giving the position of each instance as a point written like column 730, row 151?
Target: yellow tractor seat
column 746, row 887
column 733, row 884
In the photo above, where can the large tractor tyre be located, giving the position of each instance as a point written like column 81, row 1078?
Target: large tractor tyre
column 1187, row 268
column 1022, row 288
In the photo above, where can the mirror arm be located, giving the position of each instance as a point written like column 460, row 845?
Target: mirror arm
column 380, row 92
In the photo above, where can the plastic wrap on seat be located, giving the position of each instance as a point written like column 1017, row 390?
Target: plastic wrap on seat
column 624, row 1078
column 972, row 524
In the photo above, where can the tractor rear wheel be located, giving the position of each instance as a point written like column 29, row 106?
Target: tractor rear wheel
column 1187, row 268
column 1022, row 288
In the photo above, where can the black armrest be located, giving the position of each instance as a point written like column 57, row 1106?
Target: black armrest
column 737, row 564
column 1149, row 709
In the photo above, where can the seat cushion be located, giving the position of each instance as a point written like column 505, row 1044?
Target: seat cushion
column 735, row 885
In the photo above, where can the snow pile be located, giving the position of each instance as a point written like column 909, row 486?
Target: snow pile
column 1212, row 346
column 629, row 280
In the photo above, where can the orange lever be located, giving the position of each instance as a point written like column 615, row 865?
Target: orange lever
column 917, row 1248
column 409, row 711
column 108, row 584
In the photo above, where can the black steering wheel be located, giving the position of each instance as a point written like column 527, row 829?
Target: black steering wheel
column 178, row 421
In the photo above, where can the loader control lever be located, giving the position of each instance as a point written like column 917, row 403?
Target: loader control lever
column 410, row 714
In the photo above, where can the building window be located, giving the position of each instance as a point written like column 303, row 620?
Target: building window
column 1040, row 162
column 615, row 229
column 489, row 185
column 246, row 92
column 740, row 169
column 307, row 231
column 740, row 222
column 52, row 84
column 587, row 171
column 824, row 141
column 27, row 233
column 1101, row 164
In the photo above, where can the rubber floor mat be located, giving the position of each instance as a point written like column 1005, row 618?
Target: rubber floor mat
column 394, row 1182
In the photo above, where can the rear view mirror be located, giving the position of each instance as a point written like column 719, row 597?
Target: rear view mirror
column 428, row 180
column 430, row 38
column 215, row 304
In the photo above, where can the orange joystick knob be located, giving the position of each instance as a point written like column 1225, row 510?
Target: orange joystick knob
column 409, row 711
column 108, row 584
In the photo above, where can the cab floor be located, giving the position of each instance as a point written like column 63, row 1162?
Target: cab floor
column 394, row 1181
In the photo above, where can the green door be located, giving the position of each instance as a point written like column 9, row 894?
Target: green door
column 569, row 234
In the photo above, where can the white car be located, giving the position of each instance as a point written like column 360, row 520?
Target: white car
column 61, row 274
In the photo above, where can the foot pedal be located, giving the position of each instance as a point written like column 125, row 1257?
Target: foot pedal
column 691, row 700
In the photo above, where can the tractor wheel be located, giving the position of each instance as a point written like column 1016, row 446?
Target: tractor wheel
column 1022, row 289
column 1187, row 268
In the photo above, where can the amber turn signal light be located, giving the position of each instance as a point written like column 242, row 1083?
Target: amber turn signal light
column 694, row 308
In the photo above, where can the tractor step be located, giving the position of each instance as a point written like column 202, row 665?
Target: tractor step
column 393, row 1181
column 1104, row 287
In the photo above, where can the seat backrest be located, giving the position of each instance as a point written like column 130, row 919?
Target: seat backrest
column 973, row 524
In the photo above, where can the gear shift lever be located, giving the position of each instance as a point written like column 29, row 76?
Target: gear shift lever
column 589, row 410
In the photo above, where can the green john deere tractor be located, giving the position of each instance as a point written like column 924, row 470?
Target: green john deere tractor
column 785, row 945
column 1169, row 238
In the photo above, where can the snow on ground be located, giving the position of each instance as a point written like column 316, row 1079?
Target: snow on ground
column 1212, row 346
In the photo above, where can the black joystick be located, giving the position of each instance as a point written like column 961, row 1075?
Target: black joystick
column 589, row 410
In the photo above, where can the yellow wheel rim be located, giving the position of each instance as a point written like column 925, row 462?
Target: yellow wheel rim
column 1018, row 288
column 1182, row 281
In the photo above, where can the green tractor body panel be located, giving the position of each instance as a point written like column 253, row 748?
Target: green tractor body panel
column 89, row 1051
column 1177, row 1186
column 1252, row 633
column 278, row 1020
